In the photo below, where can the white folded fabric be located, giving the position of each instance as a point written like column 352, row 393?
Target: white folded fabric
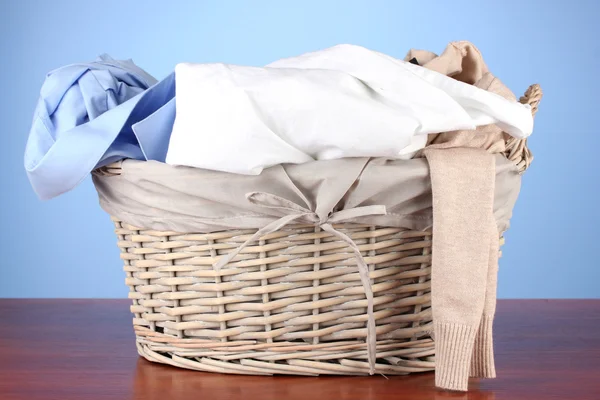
column 345, row 101
column 376, row 68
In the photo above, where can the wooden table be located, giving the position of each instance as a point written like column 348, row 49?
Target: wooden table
column 84, row 350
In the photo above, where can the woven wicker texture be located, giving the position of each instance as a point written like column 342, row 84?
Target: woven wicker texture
column 289, row 303
column 516, row 149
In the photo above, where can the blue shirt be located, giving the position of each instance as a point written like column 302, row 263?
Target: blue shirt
column 92, row 114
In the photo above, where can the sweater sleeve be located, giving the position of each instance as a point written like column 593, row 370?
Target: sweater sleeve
column 482, row 362
column 463, row 188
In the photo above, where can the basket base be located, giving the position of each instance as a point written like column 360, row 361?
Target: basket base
column 293, row 303
column 400, row 358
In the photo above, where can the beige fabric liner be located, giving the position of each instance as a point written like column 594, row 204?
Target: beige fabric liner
column 158, row 196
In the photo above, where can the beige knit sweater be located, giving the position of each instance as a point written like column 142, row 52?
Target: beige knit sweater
column 465, row 235
column 464, row 264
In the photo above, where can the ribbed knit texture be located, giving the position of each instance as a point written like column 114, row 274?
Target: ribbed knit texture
column 482, row 362
column 453, row 352
column 483, row 352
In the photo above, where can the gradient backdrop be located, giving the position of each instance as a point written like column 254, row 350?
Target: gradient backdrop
column 66, row 248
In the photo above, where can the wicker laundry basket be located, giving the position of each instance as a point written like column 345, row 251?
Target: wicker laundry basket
column 264, row 314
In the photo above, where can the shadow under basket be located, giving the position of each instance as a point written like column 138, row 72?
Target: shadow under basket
column 292, row 303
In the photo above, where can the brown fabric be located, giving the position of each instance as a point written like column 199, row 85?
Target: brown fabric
column 460, row 60
column 463, row 61
column 482, row 362
column 463, row 349
column 465, row 245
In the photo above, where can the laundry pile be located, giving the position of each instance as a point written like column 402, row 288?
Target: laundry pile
column 345, row 101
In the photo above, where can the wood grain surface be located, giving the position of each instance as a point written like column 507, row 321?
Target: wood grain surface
column 85, row 350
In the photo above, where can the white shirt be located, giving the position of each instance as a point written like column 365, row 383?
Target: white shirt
column 345, row 101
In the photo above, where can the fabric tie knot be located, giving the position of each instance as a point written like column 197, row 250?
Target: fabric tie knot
column 290, row 212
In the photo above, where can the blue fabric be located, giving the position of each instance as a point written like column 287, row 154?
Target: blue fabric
column 92, row 114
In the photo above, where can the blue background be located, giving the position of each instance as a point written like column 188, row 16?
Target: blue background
column 66, row 247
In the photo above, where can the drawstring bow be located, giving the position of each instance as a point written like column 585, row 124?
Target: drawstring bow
column 296, row 213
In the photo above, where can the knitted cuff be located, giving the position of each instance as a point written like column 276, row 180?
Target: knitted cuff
column 453, row 352
column 482, row 363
